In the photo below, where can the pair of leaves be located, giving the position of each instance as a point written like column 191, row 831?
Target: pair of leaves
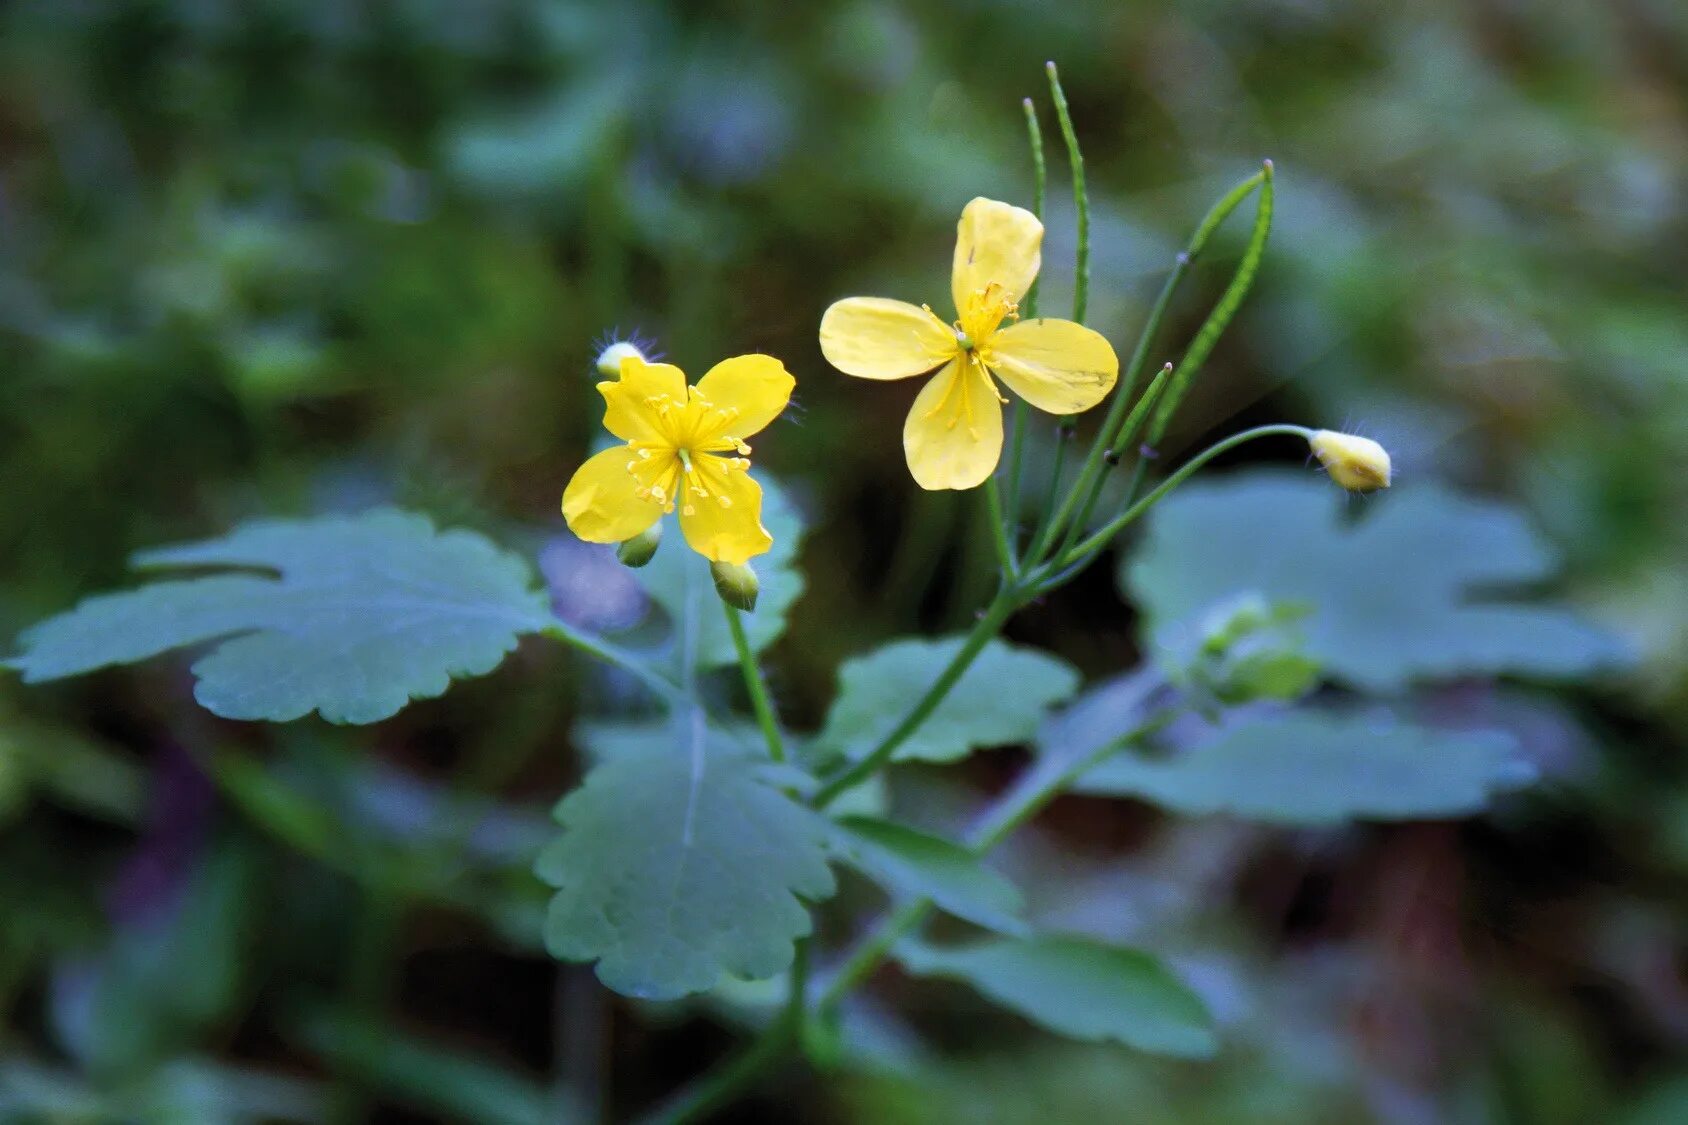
column 361, row 615
column 1409, row 592
column 1078, row 987
column 999, row 700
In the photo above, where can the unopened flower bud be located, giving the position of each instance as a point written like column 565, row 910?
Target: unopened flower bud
column 609, row 360
column 638, row 550
column 736, row 583
column 1356, row 463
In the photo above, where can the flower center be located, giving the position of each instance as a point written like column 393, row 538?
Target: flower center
column 688, row 463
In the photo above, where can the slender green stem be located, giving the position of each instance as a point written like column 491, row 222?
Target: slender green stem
column 1114, row 526
column 1040, row 184
column 721, row 1085
column 1045, row 521
column 1127, row 433
column 1022, row 413
column 870, row 951
column 1116, row 429
column 1020, row 423
column 600, row 649
column 1081, row 200
column 755, row 685
column 1038, row 786
column 1005, row 560
column 1226, row 308
column 1001, row 608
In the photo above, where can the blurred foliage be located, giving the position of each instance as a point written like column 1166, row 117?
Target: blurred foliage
column 297, row 256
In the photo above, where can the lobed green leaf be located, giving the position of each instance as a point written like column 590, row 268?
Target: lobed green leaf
column 675, row 870
column 361, row 615
column 914, row 865
column 1308, row 768
column 1414, row 590
column 998, row 701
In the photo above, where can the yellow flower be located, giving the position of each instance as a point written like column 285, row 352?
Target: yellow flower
column 953, row 436
column 685, row 450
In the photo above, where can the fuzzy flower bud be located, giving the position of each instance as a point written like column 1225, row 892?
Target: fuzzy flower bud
column 736, row 583
column 638, row 550
column 609, row 360
column 1356, row 463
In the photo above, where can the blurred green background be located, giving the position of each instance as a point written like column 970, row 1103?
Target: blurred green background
column 300, row 255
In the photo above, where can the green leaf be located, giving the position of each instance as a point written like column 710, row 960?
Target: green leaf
column 363, row 614
column 693, row 598
column 1412, row 590
column 676, row 869
column 1310, row 768
column 914, row 865
column 998, row 700
column 607, row 740
column 1079, row 987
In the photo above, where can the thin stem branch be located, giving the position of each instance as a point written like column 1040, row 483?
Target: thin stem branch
column 1116, row 430
column 1128, row 432
column 1022, row 413
column 599, row 649
column 1081, row 199
column 1001, row 608
column 755, row 685
column 1226, row 308
column 1005, row 560
column 1039, row 785
column 1114, row 526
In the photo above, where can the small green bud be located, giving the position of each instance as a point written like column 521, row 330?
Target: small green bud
column 637, row 551
column 609, row 360
column 736, row 583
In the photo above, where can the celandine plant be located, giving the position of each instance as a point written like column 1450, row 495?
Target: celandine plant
column 698, row 848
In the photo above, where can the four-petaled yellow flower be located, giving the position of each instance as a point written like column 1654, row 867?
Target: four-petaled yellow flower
column 953, row 436
column 685, row 451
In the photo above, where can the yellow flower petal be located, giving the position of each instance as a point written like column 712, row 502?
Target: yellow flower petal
column 754, row 388
column 995, row 242
column 877, row 338
column 721, row 512
column 628, row 413
column 1055, row 365
column 602, row 503
column 953, row 436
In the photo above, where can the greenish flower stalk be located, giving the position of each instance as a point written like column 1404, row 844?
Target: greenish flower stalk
column 755, row 685
column 1119, row 523
column 1081, row 200
column 1022, row 413
column 1081, row 287
column 1220, row 318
